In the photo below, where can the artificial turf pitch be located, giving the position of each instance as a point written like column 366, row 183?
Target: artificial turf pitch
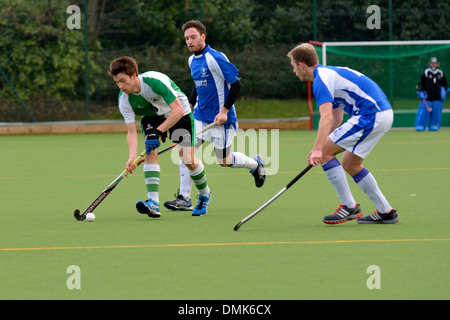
column 285, row 253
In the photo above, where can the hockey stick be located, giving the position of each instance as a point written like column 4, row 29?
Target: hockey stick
column 137, row 161
column 265, row 205
column 105, row 192
column 429, row 109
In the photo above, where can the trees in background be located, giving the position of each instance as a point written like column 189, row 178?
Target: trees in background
column 42, row 57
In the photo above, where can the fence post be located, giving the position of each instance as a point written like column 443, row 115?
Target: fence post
column 86, row 58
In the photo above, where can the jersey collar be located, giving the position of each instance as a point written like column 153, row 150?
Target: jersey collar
column 200, row 53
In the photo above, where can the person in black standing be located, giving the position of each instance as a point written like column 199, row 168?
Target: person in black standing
column 431, row 89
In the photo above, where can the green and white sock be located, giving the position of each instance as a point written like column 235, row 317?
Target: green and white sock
column 198, row 176
column 152, row 173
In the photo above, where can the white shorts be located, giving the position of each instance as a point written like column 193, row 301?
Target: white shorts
column 220, row 136
column 360, row 134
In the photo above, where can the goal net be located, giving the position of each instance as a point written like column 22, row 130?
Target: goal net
column 396, row 66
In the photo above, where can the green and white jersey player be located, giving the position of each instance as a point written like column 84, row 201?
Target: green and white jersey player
column 164, row 109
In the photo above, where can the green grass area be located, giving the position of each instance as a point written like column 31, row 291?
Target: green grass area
column 246, row 109
column 266, row 109
column 286, row 252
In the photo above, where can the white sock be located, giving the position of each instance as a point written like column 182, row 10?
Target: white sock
column 366, row 181
column 336, row 175
column 185, row 181
column 240, row 160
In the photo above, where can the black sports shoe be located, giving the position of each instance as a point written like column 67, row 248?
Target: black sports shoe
column 259, row 173
column 179, row 204
column 343, row 214
column 380, row 218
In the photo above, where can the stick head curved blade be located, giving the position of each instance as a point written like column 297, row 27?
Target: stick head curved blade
column 78, row 216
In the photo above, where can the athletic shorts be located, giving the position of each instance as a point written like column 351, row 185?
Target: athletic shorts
column 360, row 134
column 221, row 136
column 180, row 132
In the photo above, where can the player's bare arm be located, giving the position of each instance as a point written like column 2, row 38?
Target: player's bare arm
column 132, row 142
column 324, row 129
column 338, row 116
column 153, row 139
column 175, row 115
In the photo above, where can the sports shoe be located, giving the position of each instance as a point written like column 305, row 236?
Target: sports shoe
column 380, row 218
column 433, row 128
column 259, row 173
column 343, row 214
column 149, row 207
column 179, row 204
column 420, row 128
column 202, row 205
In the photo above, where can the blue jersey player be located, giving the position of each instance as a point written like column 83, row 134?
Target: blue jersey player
column 338, row 90
column 216, row 87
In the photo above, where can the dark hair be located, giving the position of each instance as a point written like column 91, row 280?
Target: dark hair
column 125, row 65
column 194, row 24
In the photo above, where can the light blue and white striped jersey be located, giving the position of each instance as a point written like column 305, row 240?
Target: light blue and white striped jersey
column 349, row 90
column 213, row 75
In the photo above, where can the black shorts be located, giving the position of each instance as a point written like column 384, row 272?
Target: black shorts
column 180, row 132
